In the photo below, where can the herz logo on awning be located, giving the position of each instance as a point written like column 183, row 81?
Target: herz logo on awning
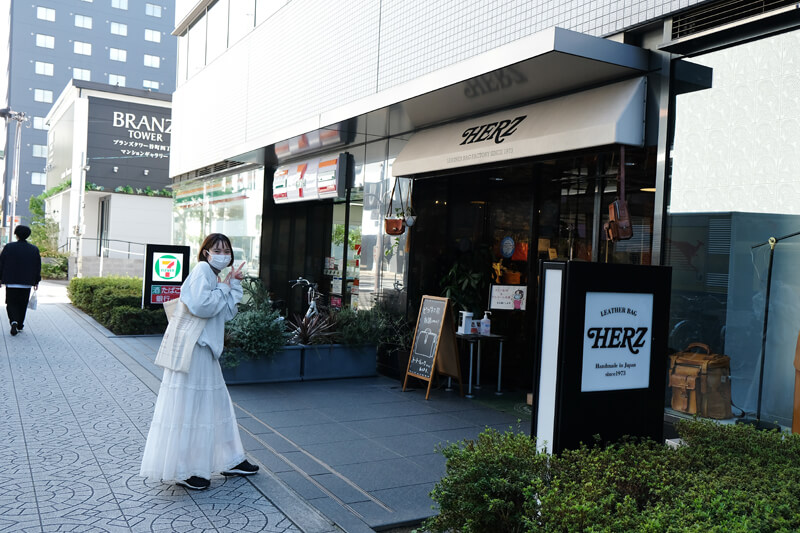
column 493, row 130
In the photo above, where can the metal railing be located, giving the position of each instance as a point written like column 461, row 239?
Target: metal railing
column 103, row 246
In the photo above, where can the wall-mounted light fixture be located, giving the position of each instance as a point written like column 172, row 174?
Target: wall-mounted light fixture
column 116, row 169
column 146, row 172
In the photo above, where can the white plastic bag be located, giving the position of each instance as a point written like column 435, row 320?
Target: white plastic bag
column 33, row 301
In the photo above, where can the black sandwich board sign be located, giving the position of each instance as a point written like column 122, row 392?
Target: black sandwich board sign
column 602, row 353
column 434, row 348
column 165, row 268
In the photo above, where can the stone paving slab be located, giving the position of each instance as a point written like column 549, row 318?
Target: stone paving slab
column 75, row 420
column 360, row 452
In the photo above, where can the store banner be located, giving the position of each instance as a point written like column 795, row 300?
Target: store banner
column 613, row 114
column 312, row 179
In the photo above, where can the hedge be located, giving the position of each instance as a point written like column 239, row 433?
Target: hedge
column 115, row 302
column 724, row 478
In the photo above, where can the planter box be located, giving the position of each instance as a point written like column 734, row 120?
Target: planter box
column 331, row 361
column 305, row 363
column 285, row 365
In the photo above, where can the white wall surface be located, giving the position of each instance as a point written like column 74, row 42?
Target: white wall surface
column 143, row 219
column 312, row 57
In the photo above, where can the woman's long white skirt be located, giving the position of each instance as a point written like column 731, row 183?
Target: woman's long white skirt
column 194, row 430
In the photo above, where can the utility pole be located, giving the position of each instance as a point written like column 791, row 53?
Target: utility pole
column 20, row 117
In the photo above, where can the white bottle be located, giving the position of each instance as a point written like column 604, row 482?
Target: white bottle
column 486, row 323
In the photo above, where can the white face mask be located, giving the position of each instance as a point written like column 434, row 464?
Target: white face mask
column 219, row 261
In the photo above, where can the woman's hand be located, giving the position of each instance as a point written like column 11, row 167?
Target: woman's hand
column 236, row 273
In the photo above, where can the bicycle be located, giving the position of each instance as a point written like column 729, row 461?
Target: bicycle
column 312, row 295
column 316, row 323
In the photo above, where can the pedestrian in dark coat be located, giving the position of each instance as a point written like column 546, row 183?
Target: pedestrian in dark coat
column 20, row 269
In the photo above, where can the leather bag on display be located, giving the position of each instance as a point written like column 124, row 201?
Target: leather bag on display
column 701, row 382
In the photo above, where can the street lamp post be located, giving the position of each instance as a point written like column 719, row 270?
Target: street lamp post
column 20, row 117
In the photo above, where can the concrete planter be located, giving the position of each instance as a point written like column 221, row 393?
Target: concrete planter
column 331, row 361
column 285, row 365
column 305, row 363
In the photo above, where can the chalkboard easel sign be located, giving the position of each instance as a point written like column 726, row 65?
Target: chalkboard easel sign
column 434, row 347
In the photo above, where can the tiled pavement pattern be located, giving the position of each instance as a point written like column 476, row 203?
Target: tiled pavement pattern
column 76, row 403
column 74, row 422
column 360, row 451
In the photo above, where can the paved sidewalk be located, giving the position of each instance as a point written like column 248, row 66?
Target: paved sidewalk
column 341, row 455
column 75, row 420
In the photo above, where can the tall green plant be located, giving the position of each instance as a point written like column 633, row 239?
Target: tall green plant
column 467, row 281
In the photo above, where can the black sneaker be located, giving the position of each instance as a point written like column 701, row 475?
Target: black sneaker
column 13, row 328
column 20, row 327
column 195, row 483
column 242, row 469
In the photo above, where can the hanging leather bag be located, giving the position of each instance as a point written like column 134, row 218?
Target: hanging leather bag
column 618, row 227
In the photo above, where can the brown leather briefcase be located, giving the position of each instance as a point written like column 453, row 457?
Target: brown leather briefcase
column 701, row 382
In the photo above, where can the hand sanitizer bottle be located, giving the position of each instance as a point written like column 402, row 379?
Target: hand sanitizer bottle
column 486, row 323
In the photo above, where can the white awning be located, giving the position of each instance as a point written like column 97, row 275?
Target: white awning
column 613, row 114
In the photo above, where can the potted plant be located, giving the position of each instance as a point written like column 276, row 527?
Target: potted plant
column 352, row 348
column 256, row 341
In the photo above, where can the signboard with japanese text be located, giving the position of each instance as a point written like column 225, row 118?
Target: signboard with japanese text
column 128, row 145
column 312, row 179
column 508, row 297
column 434, row 346
column 165, row 269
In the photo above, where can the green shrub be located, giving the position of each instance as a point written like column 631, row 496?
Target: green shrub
column 55, row 266
column 727, row 478
column 98, row 297
column 128, row 320
column 486, row 482
column 255, row 333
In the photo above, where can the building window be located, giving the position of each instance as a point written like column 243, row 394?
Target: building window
column 152, row 61
column 39, row 150
column 81, row 74
column 150, row 84
column 38, row 178
column 38, row 123
column 117, row 28
column 119, row 4
column 45, row 13
column 45, row 41
column 84, row 49
column 152, row 36
column 116, row 79
column 82, row 21
column 45, row 69
column 43, row 95
column 152, row 10
column 116, row 54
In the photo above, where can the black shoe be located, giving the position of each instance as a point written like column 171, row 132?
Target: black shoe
column 242, row 469
column 19, row 328
column 13, row 328
column 195, row 483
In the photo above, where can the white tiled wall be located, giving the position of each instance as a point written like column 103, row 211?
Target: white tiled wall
column 314, row 56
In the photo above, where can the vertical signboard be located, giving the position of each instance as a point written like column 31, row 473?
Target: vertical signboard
column 434, row 348
column 602, row 353
column 165, row 268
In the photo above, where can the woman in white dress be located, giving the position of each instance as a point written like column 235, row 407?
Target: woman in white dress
column 194, row 431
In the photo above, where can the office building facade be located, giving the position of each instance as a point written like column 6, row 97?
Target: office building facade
column 117, row 42
column 510, row 127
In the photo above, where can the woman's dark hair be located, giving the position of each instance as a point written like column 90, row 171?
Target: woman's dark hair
column 209, row 243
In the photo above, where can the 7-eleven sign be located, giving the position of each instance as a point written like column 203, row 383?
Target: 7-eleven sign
column 167, row 267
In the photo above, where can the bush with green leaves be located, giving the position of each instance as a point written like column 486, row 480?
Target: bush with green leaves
column 255, row 333
column 101, row 298
column 725, row 478
column 128, row 320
